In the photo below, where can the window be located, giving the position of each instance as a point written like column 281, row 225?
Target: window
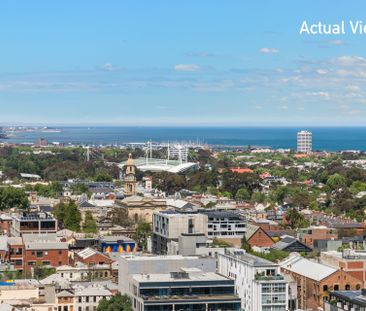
column 60, row 252
column 80, row 299
column 347, row 287
column 336, row 287
column 39, row 254
column 94, row 298
column 87, row 298
column 18, row 262
column 325, row 288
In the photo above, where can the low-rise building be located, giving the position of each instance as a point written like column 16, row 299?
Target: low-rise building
column 313, row 233
column 91, row 256
column 258, row 237
column 132, row 264
column 346, row 301
column 187, row 288
column 352, row 261
column 34, row 223
column 315, row 280
column 44, row 249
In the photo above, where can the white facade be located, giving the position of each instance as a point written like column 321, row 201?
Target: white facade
column 257, row 281
column 87, row 299
column 304, row 141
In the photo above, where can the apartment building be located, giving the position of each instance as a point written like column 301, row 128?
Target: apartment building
column 258, row 282
column 304, row 141
column 185, row 289
column 169, row 225
column 33, row 223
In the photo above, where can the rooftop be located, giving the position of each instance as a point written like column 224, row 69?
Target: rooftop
column 192, row 276
column 310, row 269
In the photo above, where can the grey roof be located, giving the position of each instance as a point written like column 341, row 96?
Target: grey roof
column 310, row 269
column 286, row 242
column 115, row 238
column 43, row 242
column 65, row 293
column 249, row 258
column 354, row 296
column 93, row 291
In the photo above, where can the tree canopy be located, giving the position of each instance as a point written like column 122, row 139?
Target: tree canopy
column 115, row 303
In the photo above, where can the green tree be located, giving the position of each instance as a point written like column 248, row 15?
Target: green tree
column 115, row 303
column 103, row 176
column 336, row 181
column 242, row 195
column 245, row 245
column 69, row 215
column 89, row 225
column 143, row 231
column 295, row 219
column 119, row 217
column 13, row 197
column 79, row 188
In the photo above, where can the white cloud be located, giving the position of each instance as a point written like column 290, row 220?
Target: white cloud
column 349, row 61
column 186, row 67
column 322, row 71
column 284, row 107
column 268, row 50
column 324, row 95
column 109, row 67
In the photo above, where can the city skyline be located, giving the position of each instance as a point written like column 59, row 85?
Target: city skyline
column 179, row 64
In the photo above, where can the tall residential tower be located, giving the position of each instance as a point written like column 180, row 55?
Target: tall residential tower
column 304, row 141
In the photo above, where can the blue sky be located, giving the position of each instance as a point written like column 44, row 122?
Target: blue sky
column 207, row 62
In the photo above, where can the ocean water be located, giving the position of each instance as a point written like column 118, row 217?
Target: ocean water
column 324, row 138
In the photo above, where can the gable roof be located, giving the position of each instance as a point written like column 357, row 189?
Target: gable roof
column 252, row 229
column 288, row 241
column 305, row 267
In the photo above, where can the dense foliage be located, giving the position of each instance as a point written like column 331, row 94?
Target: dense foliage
column 69, row 215
column 115, row 303
column 11, row 197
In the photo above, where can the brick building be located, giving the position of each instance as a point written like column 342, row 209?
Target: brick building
column 256, row 236
column 90, row 256
column 5, row 224
column 45, row 250
column 315, row 280
column 314, row 233
column 351, row 261
column 16, row 251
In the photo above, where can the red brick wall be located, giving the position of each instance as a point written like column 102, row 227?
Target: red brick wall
column 54, row 257
column 94, row 259
column 13, row 257
column 5, row 226
column 260, row 239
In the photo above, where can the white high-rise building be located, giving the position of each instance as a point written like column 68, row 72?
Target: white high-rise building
column 304, row 141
